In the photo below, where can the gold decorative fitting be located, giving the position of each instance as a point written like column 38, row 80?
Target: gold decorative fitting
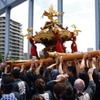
column 75, row 30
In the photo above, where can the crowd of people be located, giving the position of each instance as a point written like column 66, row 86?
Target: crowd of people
column 63, row 80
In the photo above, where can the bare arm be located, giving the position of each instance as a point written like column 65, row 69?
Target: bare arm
column 51, row 66
column 60, row 66
column 37, row 71
column 62, row 78
column 83, row 62
column 6, row 69
column 98, row 62
column 22, row 68
column 77, row 65
column 90, row 72
column 32, row 66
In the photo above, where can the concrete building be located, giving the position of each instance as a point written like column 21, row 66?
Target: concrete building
column 89, row 49
column 16, row 39
column 25, row 56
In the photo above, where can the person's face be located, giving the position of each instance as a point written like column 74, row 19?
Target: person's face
column 69, row 72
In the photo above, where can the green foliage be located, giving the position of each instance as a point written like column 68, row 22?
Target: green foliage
column 1, row 57
column 13, row 59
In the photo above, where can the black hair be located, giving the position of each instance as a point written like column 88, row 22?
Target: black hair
column 38, row 97
column 68, row 94
column 15, row 73
column 7, row 83
column 58, row 88
column 40, row 85
column 72, row 69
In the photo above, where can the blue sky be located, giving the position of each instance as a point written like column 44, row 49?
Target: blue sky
column 78, row 12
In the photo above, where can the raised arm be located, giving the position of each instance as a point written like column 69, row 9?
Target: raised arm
column 37, row 71
column 60, row 65
column 83, row 64
column 51, row 66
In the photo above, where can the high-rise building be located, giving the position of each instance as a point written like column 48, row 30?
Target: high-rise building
column 89, row 49
column 16, row 39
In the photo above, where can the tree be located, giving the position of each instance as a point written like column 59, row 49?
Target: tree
column 14, row 59
column 1, row 57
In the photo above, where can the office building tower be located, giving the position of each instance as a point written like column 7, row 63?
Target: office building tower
column 16, row 39
column 89, row 49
